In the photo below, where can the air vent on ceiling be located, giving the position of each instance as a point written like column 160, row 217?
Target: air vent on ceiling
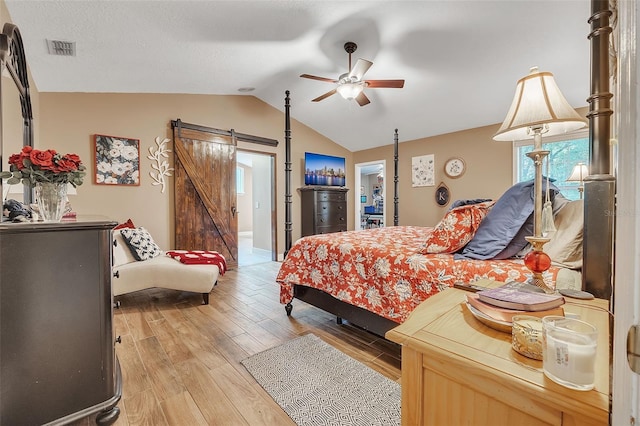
column 61, row 48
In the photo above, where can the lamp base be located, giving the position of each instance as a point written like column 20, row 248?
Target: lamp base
column 538, row 262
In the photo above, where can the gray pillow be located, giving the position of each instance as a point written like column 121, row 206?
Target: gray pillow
column 502, row 233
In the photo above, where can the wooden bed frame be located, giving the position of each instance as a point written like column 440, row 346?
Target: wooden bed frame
column 599, row 191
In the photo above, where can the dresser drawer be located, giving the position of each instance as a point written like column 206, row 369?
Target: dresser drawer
column 330, row 229
column 331, row 196
column 331, row 214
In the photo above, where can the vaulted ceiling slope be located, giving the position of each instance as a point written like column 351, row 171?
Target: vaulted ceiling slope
column 460, row 59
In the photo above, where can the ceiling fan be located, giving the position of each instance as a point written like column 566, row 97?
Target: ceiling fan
column 351, row 85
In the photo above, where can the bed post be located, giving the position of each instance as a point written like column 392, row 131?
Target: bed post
column 395, row 178
column 287, row 175
column 599, row 186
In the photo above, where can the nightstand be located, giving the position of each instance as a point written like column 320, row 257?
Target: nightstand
column 455, row 370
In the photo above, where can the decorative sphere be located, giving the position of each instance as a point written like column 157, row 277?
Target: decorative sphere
column 537, row 261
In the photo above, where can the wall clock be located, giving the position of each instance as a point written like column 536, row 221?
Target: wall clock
column 454, row 167
column 442, row 194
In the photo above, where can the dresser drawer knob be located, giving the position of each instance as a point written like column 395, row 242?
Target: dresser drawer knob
column 116, row 304
column 118, row 339
column 116, row 274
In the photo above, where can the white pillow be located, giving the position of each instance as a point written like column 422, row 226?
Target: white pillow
column 141, row 243
column 121, row 252
column 565, row 247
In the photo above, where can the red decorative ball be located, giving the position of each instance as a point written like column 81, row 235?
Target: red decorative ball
column 537, row 261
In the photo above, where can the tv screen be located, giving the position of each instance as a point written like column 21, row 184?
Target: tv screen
column 327, row 170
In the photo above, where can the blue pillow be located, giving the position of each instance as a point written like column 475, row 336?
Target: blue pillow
column 459, row 203
column 519, row 241
column 501, row 234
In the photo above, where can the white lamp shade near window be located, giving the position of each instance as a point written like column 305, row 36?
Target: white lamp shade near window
column 350, row 90
column 538, row 102
column 579, row 172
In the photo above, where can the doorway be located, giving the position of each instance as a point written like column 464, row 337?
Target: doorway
column 370, row 199
column 255, row 183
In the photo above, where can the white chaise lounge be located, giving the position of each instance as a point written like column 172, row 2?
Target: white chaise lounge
column 160, row 271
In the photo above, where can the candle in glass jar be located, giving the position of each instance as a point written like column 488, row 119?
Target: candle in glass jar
column 569, row 356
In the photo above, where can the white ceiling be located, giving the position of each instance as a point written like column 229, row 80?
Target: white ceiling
column 460, row 59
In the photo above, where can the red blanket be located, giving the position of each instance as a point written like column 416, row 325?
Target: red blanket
column 381, row 270
column 200, row 257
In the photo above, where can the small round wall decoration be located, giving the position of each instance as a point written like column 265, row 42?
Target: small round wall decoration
column 454, row 167
column 442, row 194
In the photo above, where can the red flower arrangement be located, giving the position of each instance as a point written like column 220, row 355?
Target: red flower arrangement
column 31, row 166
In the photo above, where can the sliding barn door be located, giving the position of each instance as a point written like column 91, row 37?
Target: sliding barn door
column 205, row 190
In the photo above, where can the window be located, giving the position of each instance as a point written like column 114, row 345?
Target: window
column 239, row 180
column 564, row 154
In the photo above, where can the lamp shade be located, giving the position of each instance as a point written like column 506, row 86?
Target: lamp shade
column 579, row 172
column 538, row 102
column 350, row 90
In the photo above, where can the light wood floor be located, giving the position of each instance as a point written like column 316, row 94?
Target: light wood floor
column 180, row 359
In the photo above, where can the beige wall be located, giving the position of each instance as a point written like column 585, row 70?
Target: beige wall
column 488, row 174
column 245, row 201
column 489, row 171
column 69, row 121
column 262, row 194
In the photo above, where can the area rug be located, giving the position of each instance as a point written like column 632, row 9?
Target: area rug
column 316, row 384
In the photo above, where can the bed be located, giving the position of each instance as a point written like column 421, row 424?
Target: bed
column 382, row 272
column 375, row 278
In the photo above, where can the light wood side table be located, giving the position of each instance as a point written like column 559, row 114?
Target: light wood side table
column 457, row 371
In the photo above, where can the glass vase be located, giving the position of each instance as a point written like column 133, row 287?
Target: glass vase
column 51, row 199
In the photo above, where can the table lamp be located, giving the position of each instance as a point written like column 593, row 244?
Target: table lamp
column 579, row 172
column 538, row 108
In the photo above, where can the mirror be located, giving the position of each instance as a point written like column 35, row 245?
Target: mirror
column 16, row 117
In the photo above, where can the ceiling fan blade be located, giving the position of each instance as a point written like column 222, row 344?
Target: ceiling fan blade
column 362, row 99
column 315, row 77
column 395, row 84
column 361, row 67
column 326, row 95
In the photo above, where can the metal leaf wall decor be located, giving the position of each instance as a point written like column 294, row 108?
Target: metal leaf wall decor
column 161, row 167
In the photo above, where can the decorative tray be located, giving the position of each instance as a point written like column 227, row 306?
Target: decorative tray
column 503, row 326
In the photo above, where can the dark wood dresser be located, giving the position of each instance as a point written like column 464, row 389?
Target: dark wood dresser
column 57, row 356
column 324, row 209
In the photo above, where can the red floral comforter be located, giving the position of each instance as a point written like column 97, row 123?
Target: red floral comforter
column 381, row 270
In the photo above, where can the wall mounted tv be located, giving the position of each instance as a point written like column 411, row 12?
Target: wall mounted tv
column 326, row 170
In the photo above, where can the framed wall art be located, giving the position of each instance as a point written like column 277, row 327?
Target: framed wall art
column 117, row 160
column 423, row 171
column 454, row 167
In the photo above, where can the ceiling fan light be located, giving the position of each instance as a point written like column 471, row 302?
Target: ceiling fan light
column 350, row 90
